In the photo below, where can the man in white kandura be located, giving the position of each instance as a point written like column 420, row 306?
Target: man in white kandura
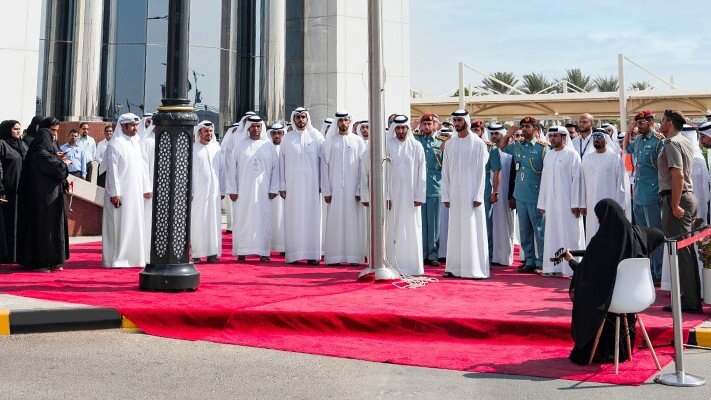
column 363, row 131
column 252, row 186
column 699, row 172
column 558, row 200
column 406, row 191
column 207, row 193
column 299, row 187
column 603, row 176
column 226, row 203
column 123, row 228
column 465, row 157
column 501, row 214
column 147, row 139
column 340, row 163
column 276, row 133
column 232, row 137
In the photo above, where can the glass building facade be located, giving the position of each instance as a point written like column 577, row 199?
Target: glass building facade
column 229, row 62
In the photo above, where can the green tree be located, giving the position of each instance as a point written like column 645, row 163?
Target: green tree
column 534, row 83
column 579, row 79
column 506, row 77
column 466, row 92
column 606, row 83
column 641, row 85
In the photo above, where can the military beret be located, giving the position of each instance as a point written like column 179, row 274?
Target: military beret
column 644, row 114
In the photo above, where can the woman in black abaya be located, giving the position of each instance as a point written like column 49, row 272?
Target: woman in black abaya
column 12, row 153
column 594, row 280
column 43, row 231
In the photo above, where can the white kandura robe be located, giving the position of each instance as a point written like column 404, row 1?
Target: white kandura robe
column 502, row 216
column 340, row 171
column 463, row 183
column 208, row 188
column 603, row 176
column 406, row 183
column 559, row 193
column 148, row 148
column 227, row 147
column 278, row 219
column 299, row 177
column 123, row 229
column 254, row 177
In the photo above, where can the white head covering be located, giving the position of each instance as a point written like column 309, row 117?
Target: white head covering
column 142, row 130
column 333, row 129
column 313, row 132
column 561, row 130
column 326, row 124
column 128, row 118
column 611, row 146
column 359, row 130
column 705, row 129
column 275, row 127
column 690, row 133
column 468, row 120
column 241, row 129
column 200, row 125
column 255, row 119
column 400, row 120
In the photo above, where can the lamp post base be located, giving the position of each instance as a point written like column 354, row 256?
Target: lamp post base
column 169, row 278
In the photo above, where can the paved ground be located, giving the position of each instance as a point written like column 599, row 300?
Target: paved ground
column 115, row 364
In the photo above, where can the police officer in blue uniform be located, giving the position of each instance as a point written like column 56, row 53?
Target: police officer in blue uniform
column 528, row 157
column 433, row 145
column 645, row 151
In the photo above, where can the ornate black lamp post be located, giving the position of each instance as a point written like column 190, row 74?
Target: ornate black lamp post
column 170, row 268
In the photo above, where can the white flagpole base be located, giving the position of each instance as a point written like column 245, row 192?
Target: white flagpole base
column 680, row 379
column 380, row 274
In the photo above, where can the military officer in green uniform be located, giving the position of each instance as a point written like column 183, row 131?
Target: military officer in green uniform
column 528, row 157
column 433, row 144
column 478, row 129
column 645, row 151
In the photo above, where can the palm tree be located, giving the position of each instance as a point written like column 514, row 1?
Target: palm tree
column 493, row 86
column 579, row 79
column 641, row 85
column 466, row 92
column 606, row 83
column 534, row 83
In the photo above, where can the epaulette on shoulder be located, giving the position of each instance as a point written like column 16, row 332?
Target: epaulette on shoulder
column 659, row 136
column 418, row 134
column 442, row 137
column 542, row 143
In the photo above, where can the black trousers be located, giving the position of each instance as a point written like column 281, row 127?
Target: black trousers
column 689, row 281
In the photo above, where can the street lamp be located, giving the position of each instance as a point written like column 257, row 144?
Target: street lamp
column 170, row 269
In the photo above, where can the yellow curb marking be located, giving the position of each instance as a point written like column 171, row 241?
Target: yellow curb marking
column 4, row 322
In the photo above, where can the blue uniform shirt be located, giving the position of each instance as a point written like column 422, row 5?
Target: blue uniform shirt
column 433, row 162
column 528, row 158
column 645, row 152
column 75, row 154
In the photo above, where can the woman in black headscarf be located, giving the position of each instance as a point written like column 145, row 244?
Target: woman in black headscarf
column 31, row 131
column 43, row 231
column 594, row 280
column 12, row 153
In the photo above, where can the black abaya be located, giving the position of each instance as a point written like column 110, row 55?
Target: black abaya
column 12, row 153
column 594, row 280
column 43, row 231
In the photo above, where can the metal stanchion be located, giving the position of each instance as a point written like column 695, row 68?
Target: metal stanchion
column 679, row 377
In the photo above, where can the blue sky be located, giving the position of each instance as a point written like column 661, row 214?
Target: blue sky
column 550, row 36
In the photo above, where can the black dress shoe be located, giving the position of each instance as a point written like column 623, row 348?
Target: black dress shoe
column 434, row 263
column 690, row 310
column 449, row 275
column 228, row 231
column 312, row 262
column 527, row 269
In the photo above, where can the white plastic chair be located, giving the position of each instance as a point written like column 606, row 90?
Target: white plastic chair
column 633, row 293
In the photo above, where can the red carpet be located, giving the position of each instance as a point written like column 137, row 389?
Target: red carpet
column 510, row 324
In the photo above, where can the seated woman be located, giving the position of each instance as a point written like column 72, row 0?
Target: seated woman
column 594, row 280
